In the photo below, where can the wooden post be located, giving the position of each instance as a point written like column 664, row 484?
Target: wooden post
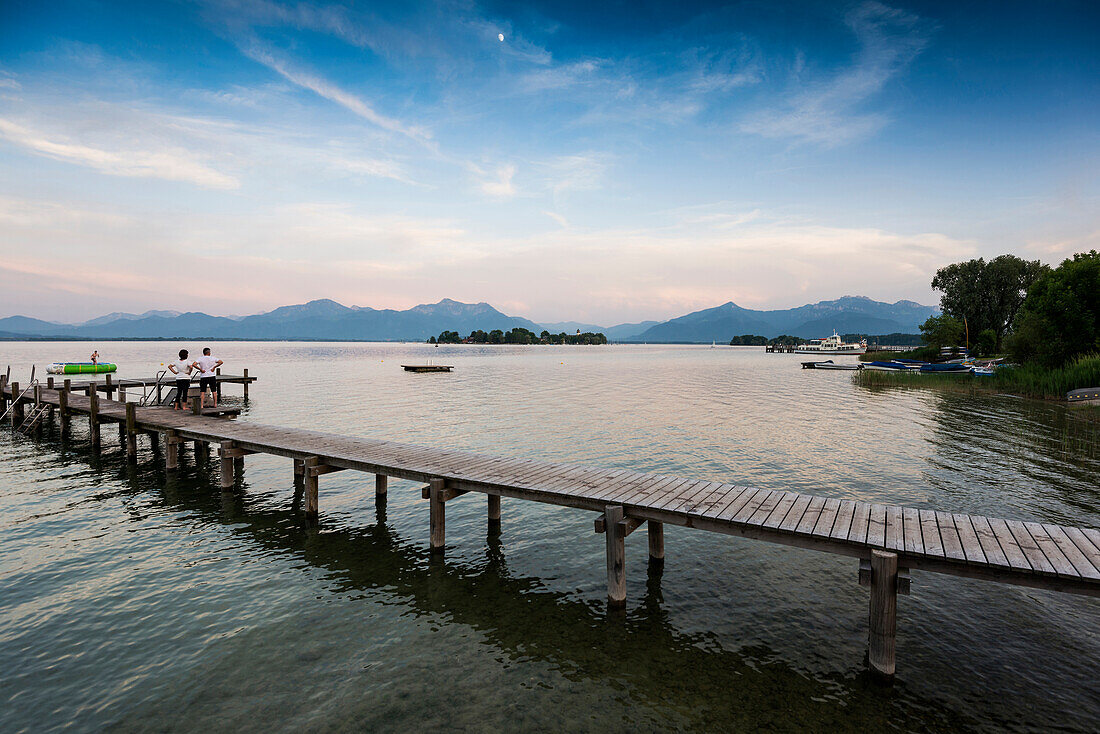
column 63, row 406
column 49, row 382
column 381, row 485
column 494, row 509
column 110, row 387
column 196, row 405
column 171, row 451
column 883, row 617
column 202, row 450
column 616, row 555
column 122, row 393
column 437, row 515
column 93, row 418
column 299, row 472
column 656, row 533
column 3, row 394
column 310, row 480
column 131, row 432
column 227, row 464
column 246, row 383
column 16, row 406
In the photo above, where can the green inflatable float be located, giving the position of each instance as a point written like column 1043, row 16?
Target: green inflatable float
column 80, row 368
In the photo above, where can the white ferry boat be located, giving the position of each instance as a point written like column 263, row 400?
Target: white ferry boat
column 831, row 345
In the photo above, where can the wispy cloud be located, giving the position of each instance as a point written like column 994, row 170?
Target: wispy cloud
column 500, row 185
column 171, row 164
column 331, row 92
column 828, row 112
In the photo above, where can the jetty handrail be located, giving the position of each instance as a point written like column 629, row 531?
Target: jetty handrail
column 15, row 400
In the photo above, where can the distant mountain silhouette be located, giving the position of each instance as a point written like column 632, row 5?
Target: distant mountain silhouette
column 325, row 319
column 847, row 315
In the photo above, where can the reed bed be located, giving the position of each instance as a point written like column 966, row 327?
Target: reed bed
column 1030, row 381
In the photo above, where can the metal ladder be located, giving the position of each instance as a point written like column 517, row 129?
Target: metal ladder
column 33, row 418
column 150, row 393
column 16, row 398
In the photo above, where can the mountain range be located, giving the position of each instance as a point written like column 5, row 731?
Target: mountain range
column 328, row 320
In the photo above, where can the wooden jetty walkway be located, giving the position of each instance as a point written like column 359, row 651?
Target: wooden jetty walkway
column 888, row 540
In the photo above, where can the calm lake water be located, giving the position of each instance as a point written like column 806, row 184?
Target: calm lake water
column 135, row 601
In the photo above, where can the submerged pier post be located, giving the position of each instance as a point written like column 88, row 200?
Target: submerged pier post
column 310, row 479
column 3, row 394
column 93, row 418
column 63, row 407
column 656, row 533
column 131, row 432
column 615, row 537
column 225, row 453
column 883, row 622
column 246, row 383
column 171, row 450
column 494, row 509
column 381, row 486
column 16, row 406
column 437, row 514
column 299, row 472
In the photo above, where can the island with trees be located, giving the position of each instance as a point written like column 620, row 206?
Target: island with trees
column 518, row 335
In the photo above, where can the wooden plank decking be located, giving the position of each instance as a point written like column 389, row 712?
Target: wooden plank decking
column 890, row 538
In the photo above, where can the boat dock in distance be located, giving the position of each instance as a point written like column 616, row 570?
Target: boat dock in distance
column 885, row 540
column 427, row 367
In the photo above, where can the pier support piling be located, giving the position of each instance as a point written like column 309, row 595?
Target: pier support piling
column 63, row 407
column 656, row 533
column 882, row 636
column 615, row 535
column 299, row 472
column 310, row 480
column 381, row 486
column 16, row 406
column 110, row 388
column 225, row 453
column 171, row 450
column 438, row 516
column 131, row 432
column 93, row 418
column 494, row 509
column 246, row 383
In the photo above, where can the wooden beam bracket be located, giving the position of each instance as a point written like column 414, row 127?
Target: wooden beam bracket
column 627, row 524
column 239, row 453
column 319, row 469
column 446, row 495
column 904, row 584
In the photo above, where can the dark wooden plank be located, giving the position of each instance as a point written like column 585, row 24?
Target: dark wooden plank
column 1062, row 565
column 1026, row 543
column 930, row 533
column 1015, row 555
column 876, row 526
column 734, row 503
column 794, row 516
column 810, row 516
column 1086, row 546
column 843, row 522
column 969, row 539
column 782, row 507
column 1071, row 551
column 860, row 520
column 895, row 529
column 914, row 542
column 988, row 540
column 765, row 509
column 752, row 506
column 824, row 525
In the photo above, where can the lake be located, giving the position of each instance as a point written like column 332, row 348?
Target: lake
column 133, row 600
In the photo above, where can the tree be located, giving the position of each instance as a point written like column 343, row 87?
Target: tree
column 449, row 337
column 496, row 336
column 987, row 295
column 942, row 331
column 1061, row 317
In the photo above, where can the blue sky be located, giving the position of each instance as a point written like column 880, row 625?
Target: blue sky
column 605, row 162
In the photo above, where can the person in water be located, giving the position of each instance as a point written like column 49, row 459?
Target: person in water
column 182, row 371
column 208, row 375
column 95, row 357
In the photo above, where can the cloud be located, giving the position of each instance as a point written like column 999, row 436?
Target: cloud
column 332, row 92
column 501, row 186
column 828, row 112
column 172, row 164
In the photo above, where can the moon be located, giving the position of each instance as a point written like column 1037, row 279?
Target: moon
column 501, row 37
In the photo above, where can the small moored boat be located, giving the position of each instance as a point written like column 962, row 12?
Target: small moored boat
column 830, row 365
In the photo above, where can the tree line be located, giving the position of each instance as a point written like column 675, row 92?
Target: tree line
column 1026, row 309
column 518, row 335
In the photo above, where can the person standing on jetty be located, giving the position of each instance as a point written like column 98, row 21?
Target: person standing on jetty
column 182, row 371
column 208, row 375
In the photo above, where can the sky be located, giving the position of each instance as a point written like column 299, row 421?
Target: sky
column 601, row 162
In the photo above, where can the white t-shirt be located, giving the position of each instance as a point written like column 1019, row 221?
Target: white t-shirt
column 206, row 365
column 181, row 369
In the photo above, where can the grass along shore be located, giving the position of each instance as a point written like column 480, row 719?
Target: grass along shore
column 1031, row 381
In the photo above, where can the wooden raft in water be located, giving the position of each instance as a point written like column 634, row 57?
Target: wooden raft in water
column 888, row 540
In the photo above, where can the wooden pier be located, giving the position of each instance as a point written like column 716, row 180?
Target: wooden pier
column 886, row 540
